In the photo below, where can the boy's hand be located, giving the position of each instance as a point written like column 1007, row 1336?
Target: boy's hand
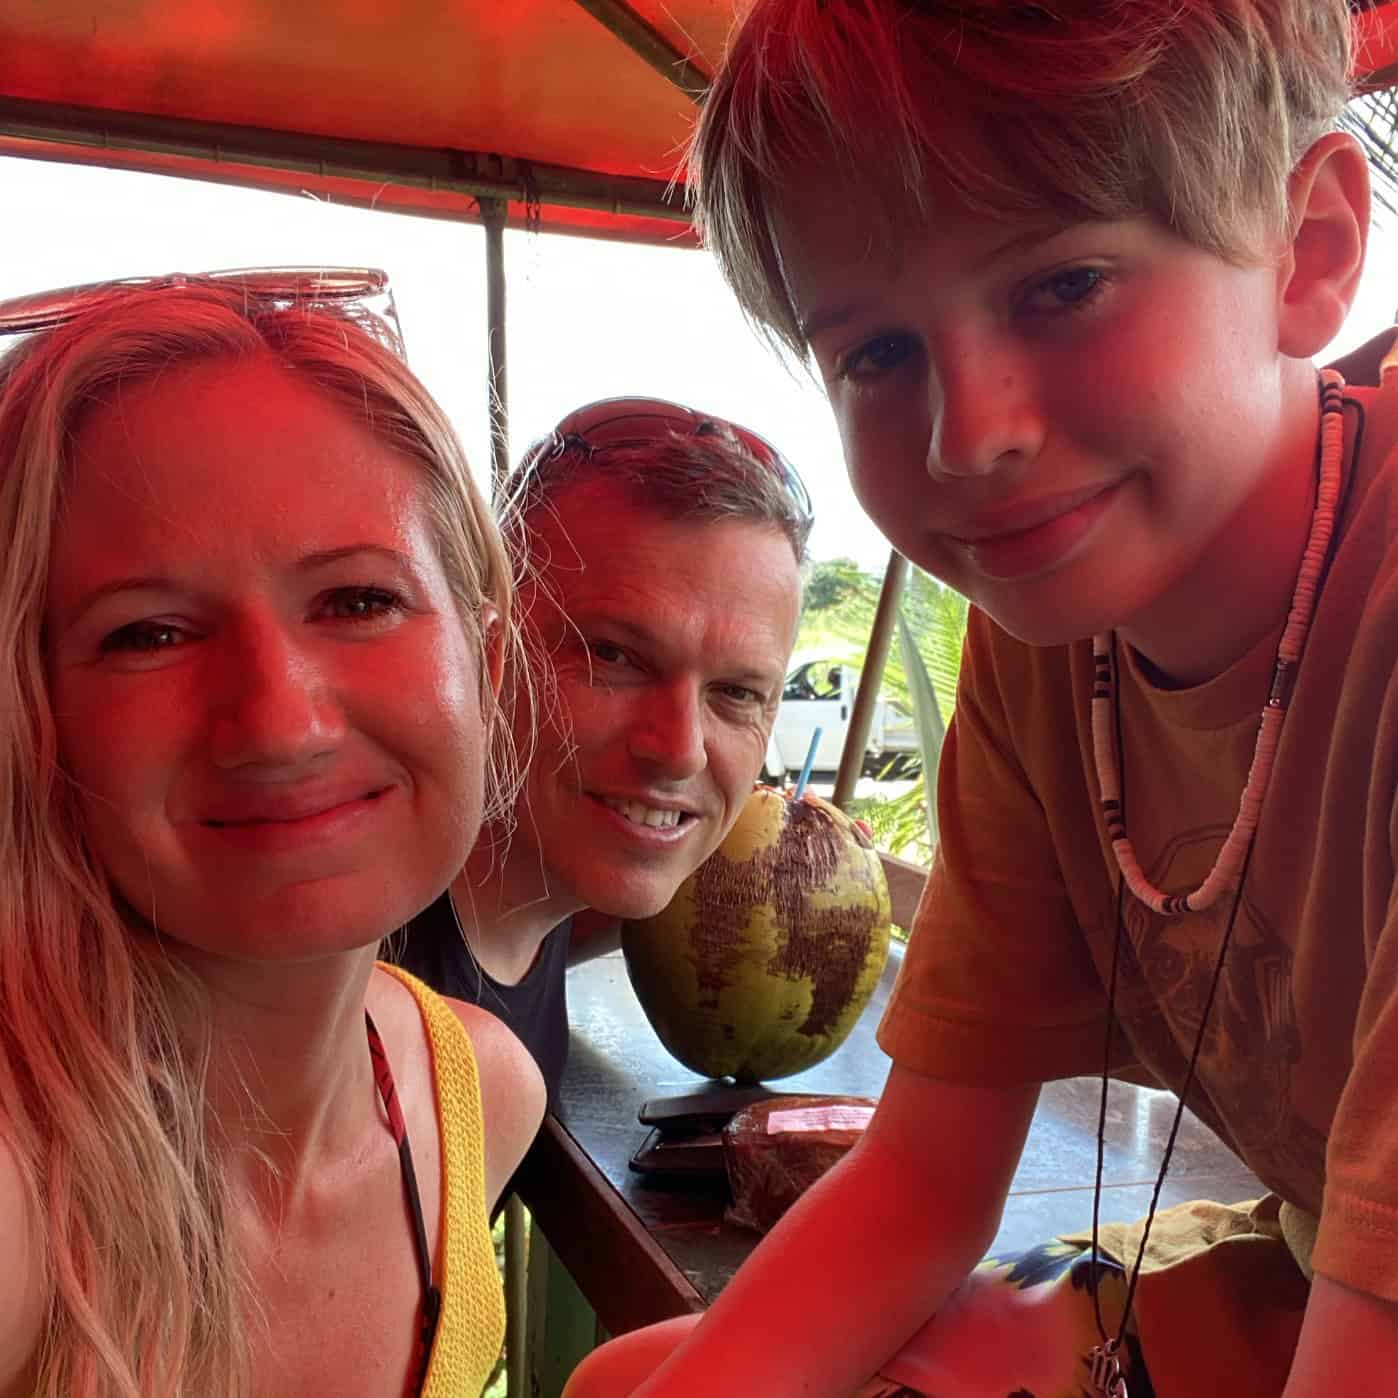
column 863, row 1259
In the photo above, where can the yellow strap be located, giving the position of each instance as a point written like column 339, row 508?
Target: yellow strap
column 472, row 1324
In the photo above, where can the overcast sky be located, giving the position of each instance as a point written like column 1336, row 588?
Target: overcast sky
column 586, row 319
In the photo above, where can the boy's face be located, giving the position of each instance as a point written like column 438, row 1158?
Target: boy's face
column 1057, row 421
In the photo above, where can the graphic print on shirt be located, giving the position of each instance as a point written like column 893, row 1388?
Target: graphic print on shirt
column 1254, row 1041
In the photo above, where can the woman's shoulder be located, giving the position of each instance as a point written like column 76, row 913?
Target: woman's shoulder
column 512, row 1093
column 23, row 1291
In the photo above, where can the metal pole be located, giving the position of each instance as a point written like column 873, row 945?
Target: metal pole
column 870, row 679
column 493, row 213
column 223, row 153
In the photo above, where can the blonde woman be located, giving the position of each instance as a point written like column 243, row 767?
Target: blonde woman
column 252, row 613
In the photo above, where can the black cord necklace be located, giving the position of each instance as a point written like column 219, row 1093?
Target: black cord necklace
column 1104, row 1358
column 1107, row 1378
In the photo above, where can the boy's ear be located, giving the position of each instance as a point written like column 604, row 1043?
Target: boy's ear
column 1322, row 261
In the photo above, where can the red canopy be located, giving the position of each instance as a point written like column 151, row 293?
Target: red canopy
column 575, row 111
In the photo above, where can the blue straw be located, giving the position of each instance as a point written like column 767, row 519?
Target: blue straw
column 806, row 769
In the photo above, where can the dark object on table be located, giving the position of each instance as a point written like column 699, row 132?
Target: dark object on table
column 696, row 1153
column 711, row 1108
column 775, row 1150
column 687, row 1139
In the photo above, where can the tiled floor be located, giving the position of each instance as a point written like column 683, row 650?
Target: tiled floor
column 1052, row 1190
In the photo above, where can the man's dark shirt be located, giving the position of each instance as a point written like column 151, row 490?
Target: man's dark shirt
column 432, row 948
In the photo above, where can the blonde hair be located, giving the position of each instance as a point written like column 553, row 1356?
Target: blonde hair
column 1189, row 112
column 101, row 1091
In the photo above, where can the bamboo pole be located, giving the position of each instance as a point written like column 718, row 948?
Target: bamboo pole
column 870, row 679
column 493, row 212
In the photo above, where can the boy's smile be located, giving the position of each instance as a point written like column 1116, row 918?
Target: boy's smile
column 1062, row 422
column 1032, row 537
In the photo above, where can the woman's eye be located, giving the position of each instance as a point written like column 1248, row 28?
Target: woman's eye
column 142, row 637
column 880, row 355
column 1069, row 290
column 608, row 653
column 363, row 603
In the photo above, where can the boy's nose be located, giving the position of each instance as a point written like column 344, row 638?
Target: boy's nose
column 982, row 420
column 668, row 735
column 272, row 706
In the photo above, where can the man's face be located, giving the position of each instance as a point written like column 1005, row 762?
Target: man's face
column 670, row 647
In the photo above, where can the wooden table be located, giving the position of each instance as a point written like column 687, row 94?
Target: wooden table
column 642, row 1251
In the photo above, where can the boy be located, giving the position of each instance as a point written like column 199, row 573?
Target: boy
column 1063, row 268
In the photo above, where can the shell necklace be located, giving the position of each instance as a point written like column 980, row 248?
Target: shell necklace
column 1105, row 1359
column 1230, row 858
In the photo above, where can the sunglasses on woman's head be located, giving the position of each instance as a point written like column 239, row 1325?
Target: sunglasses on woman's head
column 365, row 290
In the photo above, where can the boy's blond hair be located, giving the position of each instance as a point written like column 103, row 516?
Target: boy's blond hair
column 1189, row 112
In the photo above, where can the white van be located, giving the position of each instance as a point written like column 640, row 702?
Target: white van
column 819, row 693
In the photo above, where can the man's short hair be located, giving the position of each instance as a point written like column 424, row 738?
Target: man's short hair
column 1190, row 112
column 708, row 470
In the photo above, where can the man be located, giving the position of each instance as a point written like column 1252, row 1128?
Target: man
column 660, row 556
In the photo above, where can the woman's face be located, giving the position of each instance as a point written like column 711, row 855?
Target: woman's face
column 264, row 693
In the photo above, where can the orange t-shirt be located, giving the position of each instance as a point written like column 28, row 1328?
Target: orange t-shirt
column 1004, row 980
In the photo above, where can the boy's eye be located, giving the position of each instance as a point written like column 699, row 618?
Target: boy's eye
column 1068, row 290
column 877, row 356
column 141, row 637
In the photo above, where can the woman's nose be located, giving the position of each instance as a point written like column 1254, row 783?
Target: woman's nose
column 271, row 702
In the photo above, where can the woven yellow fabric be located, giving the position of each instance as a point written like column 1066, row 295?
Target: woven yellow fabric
column 472, row 1325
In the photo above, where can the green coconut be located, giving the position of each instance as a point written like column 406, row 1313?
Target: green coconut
column 768, row 953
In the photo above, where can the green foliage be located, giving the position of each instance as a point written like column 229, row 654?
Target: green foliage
column 829, row 582
column 927, row 717
column 898, row 823
column 932, row 627
column 936, row 617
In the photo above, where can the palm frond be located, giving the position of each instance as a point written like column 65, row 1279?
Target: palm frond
column 927, row 717
column 1373, row 120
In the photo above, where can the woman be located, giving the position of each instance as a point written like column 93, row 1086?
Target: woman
column 253, row 612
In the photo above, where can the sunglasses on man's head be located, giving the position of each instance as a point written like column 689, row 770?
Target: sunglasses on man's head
column 614, row 423
column 362, row 289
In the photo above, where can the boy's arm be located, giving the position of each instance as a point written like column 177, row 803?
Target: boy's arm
column 1348, row 1344
column 870, row 1252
